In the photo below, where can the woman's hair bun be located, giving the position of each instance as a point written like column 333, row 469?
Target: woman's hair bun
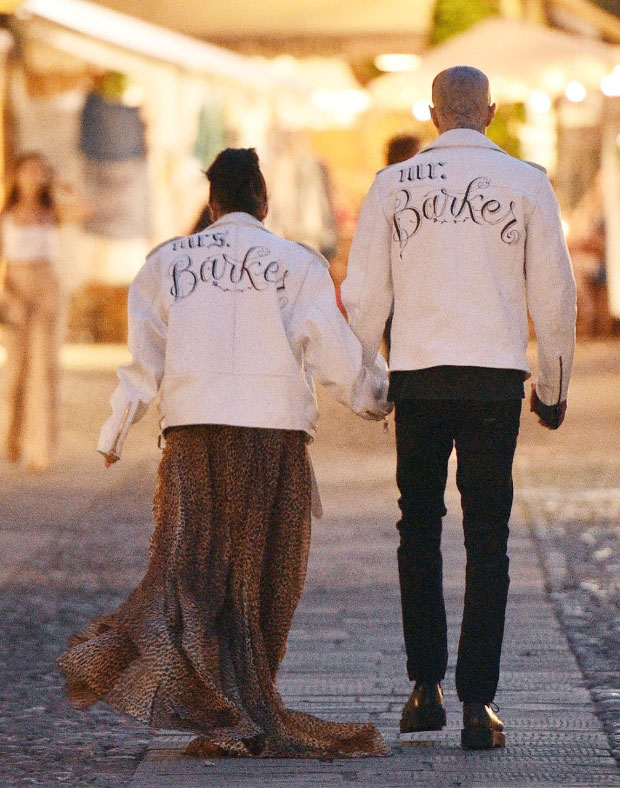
column 237, row 183
column 235, row 161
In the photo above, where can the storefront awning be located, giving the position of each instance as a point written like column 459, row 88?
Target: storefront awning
column 150, row 40
column 518, row 58
column 212, row 19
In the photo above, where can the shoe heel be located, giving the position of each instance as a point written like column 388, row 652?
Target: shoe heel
column 433, row 719
column 424, row 719
column 482, row 739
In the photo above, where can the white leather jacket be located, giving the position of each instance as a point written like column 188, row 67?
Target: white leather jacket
column 229, row 325
column 463, row 240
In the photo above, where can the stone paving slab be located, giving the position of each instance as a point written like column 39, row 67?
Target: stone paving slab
column 64, row 560
column 567, row 490
column 426, row 766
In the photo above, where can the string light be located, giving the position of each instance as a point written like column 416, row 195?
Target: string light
column 397, row 62
column 421, row 110
column 575, row 91
column 610, row 84
column 539, row 101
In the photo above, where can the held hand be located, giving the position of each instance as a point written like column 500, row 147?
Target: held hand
column 109, row 459
column 550, row 417
column 382, row 412
column 371, row 415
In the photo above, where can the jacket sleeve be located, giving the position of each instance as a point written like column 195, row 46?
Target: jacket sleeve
column 367, row 292
column 330, row 350
column 139, row 378
column 551, row 296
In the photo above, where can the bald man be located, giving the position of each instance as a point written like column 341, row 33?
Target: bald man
column 465, row 240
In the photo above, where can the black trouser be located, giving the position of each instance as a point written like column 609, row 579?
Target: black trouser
column 485, row 436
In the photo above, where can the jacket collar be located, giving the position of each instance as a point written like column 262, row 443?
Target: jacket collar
column 463, row 138
column 237, row 217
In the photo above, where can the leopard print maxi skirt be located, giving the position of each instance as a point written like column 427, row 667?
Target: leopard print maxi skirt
column 197, row 645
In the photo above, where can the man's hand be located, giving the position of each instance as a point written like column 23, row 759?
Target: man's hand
column 109, row 459
column 381, row 412
column 372, row 415
column 549, row 416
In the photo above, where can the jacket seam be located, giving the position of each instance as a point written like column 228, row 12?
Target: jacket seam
column 157, row 286
column 311, row 262
column 366, row 261
column 380, row 201
column 535, row 198
column 234, row 311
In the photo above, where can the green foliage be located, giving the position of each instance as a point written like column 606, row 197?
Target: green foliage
column 504, row 128
column 113, row 85
column 452, row 17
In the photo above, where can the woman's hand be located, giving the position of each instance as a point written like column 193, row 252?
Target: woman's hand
column 109, row 459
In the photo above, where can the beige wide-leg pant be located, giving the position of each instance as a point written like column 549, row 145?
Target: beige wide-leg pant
column 33, row 343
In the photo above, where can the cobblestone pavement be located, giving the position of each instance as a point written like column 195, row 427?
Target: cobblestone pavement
column 569, row 492
column 73, row 543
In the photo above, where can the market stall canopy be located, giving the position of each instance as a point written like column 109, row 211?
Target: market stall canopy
column 518, row 58
column 306, row 93
column 335, row 96
column 295, row 26
column 158, row 43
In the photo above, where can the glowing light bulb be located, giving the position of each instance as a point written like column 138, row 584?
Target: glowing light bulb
column 610, row 84
column 539, row 101
column 397, row 62
column 421, row 110
column 575, row 91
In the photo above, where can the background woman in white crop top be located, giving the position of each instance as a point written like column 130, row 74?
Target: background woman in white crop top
column 29, row 226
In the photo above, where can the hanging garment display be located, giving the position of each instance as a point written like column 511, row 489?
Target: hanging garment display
column 111, row 131
column 119, row 192
column 211, row 137
column 112, row 137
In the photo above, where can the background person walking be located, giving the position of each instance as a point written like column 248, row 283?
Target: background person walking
column 30, row 247
column 464, row 239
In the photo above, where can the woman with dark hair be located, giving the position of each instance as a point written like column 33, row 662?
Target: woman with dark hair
column 229, row 325
column 30, row 249
column 203, row 220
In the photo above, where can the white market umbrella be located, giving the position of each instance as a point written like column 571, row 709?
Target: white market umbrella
column 518, row 57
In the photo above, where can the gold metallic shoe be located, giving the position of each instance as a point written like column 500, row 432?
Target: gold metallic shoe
column 424, row 711
column 482, row 728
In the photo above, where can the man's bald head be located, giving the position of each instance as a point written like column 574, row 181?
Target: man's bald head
column 462, row 99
